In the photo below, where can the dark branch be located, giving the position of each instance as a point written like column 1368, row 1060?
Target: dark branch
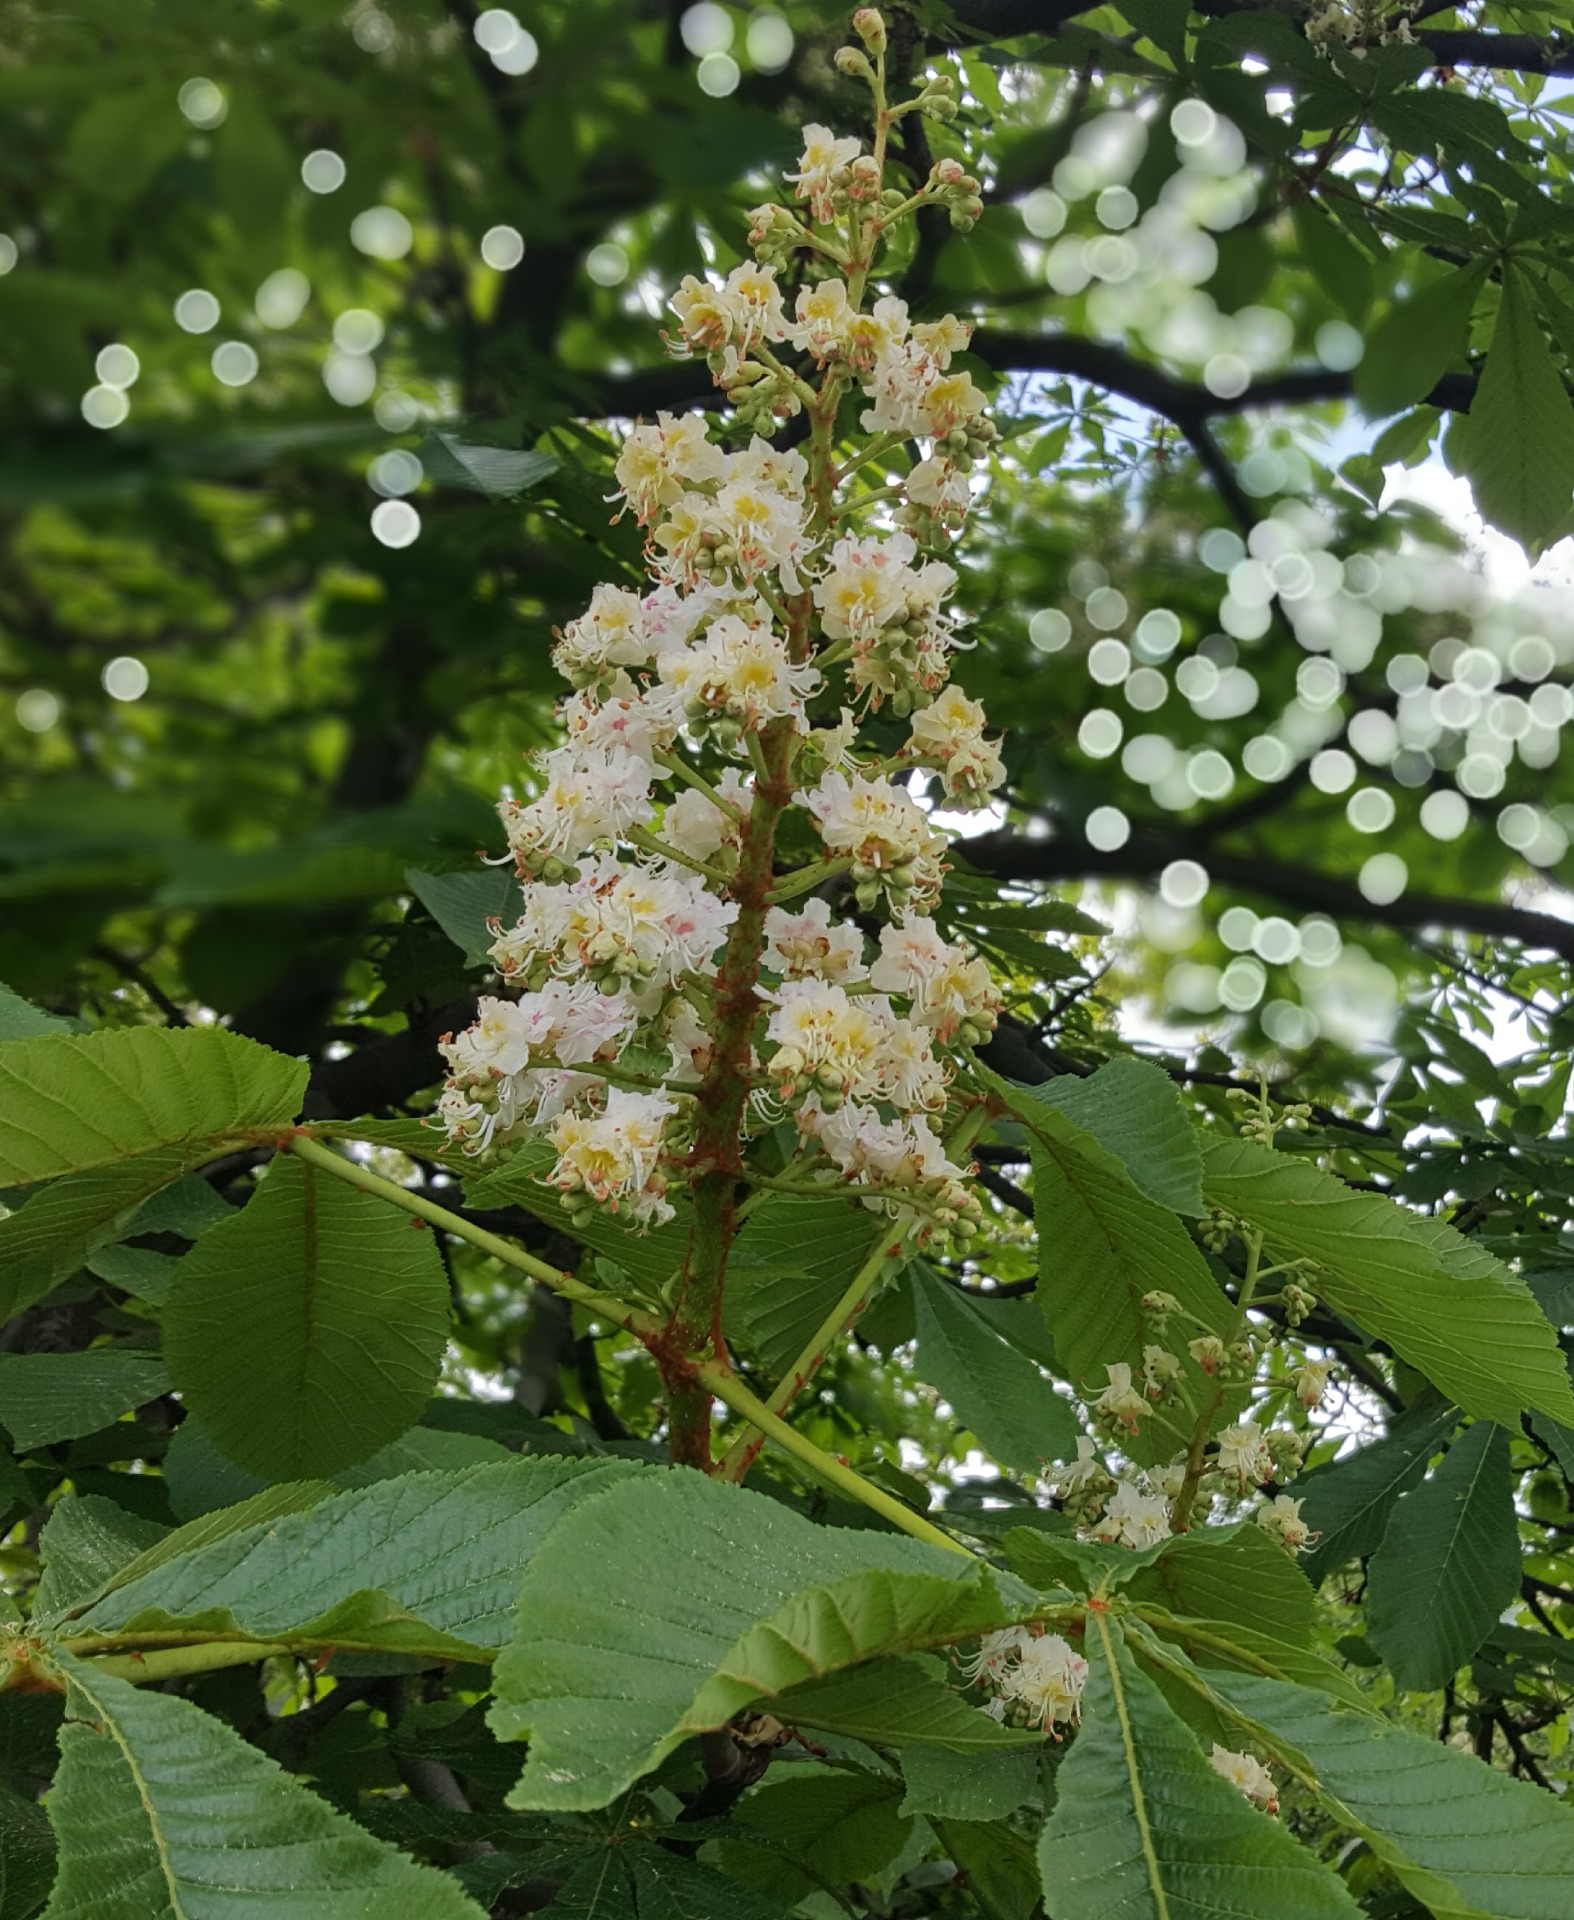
column 686, row 383
column 1010, row 856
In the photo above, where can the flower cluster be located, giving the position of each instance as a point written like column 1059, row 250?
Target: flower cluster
column 669, row 957
column 1033, row 1679
column 1246, row 1771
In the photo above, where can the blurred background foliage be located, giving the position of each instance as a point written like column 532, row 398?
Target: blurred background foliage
column 318, row 323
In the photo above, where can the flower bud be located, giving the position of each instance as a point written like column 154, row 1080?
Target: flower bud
column 854, row 62
column 870, row 28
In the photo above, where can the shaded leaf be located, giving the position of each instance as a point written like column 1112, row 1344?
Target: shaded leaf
column 1348, row 1502
column 462, row 903
column 159, row 1809
column 1449, row 1562
column 1516, row 445
column 994, row 1389
column 307, row 1331
column 46, row 1397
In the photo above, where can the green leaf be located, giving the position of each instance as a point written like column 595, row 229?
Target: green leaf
column 27, row 1856
column 1134, row 1110
column 651, row 1259
column 21, row 1020
column 86, row 1540
column 1245, row 1649
column 1516, row 445
column 1230, row 1573
column 1348, row 1502
column 1466, row 1838
column 1417, row 341
column 1471, row 1326
column 841, row 1826
column 896, row 1702
column 1102, row 1246
column 446, row 1548
column 1449, row 1563
column 58, row 1228
column 708, row 1598
column 160, row 1810
column 999, row 1865
column 1144, row 1827
column 501, row 473
column 994, row 1389
column 790, row 1265
column 46, row 1397
column 307, row 1332
column 70, row 1101
column 968, row 1786
column 1334, row 261
column 462, row 903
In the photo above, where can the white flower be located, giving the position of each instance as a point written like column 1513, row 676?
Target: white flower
column 741, row 670
column 913, row 396
column 1087, row 1470
column 865, row 586
column 950, row 732
column 943, row 487
column 1245, row 1771
column 642, row 723
column 810, row 942
column 499, row 1042
column 588, row 796
column 1311, row 1382
column 909, row 1075
column 947, row 985
column 996, row 1652
column 695, row 825
column 636, row 922
column 1048, row 1680
column 1244, row 1455
column 1281, row 1517
column 614, row 1156
column 824, row 158
column 740, row 314
column 1120, row 1400
column 823, row 321
column 827, row 1037
column 612, row 633
column 881, row 827
column 1134, row 1517
column 654, row 462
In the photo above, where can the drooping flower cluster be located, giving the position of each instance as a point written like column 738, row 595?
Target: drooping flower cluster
column 1033, row 1679
column 791, row 596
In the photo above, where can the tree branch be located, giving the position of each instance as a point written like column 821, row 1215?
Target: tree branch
column 1011, row 856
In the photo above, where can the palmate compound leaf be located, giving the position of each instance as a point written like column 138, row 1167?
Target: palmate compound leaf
column 1470, row 1325
column 307, row 1332
column 69, row 1101
column 665, row 1605
column 440, row 1551
column 1449, row 1563
column 1466, row 1839
column 1145, row 1828
column 161, row 1812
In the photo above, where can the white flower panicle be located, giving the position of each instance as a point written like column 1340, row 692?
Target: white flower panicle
column 791, row 596
column 1036, row 1679
column 1246, row 1771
